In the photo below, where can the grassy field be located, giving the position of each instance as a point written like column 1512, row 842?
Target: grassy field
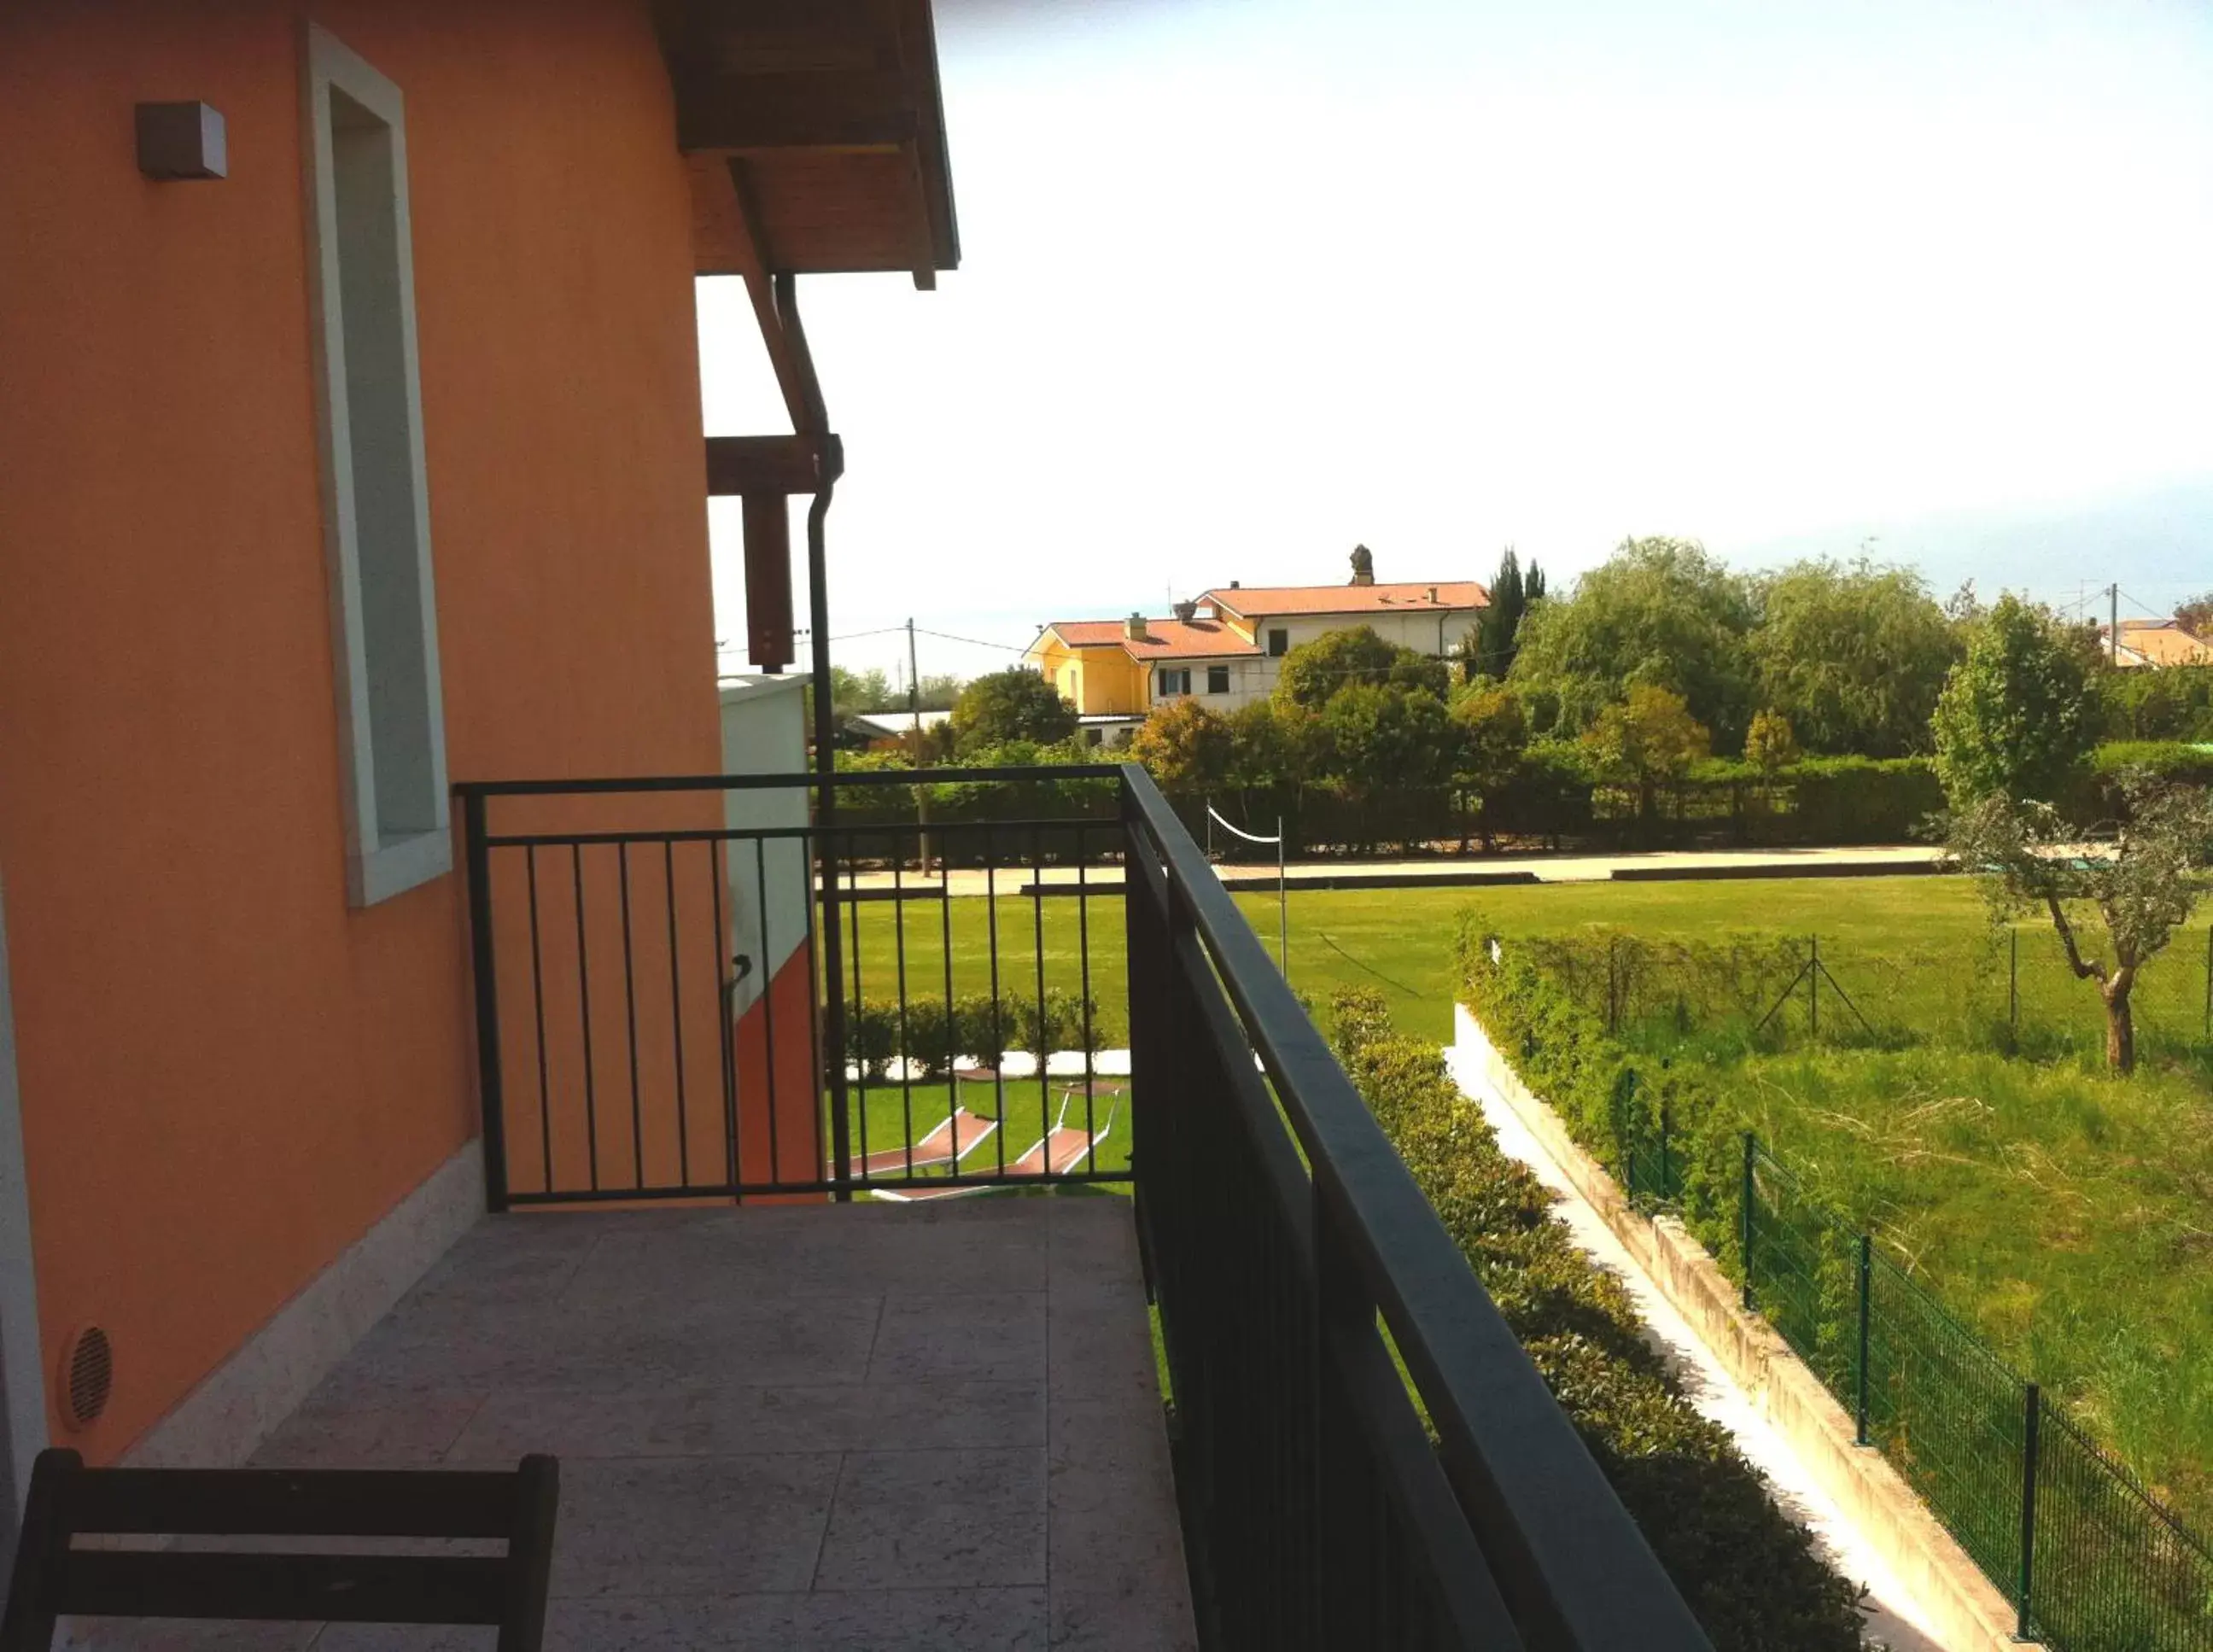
column 2065, row 1216
column 1400, row 940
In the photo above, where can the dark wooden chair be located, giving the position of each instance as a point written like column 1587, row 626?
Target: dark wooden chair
column 52, row 1578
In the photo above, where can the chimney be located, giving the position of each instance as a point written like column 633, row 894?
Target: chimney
column 1134, row 628
column 1433, row 594
column 1236, row 584
column 1186, row 612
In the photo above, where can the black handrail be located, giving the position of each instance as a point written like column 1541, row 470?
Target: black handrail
column 1574, row 1567
column 658, row 783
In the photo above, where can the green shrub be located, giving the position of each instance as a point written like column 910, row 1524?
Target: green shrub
column 1058, row 1022
column 1560, row 1046
column 2179, row 761
column 872, row 1037
column 980, row 1025
column 2174, row 703
column 1861, row 800
column 929, row 1042
column 876, row 1034
column 1748, row 1571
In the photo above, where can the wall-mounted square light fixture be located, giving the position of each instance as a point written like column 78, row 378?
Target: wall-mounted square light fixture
column 182, row 140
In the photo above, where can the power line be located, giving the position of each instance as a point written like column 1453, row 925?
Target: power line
column 973, row 642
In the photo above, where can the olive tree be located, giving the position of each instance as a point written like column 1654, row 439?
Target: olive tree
column 2136, row 880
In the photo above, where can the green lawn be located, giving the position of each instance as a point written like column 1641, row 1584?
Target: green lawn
column 886, row 1115
column 1400, row 941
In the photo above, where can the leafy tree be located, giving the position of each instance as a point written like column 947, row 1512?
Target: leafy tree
column 1383, row 736
column 2196, row 617
column 1488, row 650
column 1853, row 654
column 860, row 691
column 1771, row 743
column 1014, row 705
column 1660, row 613
column 1271, row 744
column 1648, row 739
column 939, row 690
column 2017, row 714
column 1963, row 608
column 1493, row 734
column 1313, row 671
column 2140, row 886
column 1185, row 746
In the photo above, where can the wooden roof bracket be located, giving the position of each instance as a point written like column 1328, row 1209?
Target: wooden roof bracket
column 774, row 310
column 764, row 472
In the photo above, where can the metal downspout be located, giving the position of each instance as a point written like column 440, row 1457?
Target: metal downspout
column 816, row 422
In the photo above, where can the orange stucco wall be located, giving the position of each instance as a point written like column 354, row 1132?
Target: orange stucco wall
column 227, row 1075
column 776, row 1032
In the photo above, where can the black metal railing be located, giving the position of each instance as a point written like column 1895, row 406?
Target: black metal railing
column 1365, row 1456
column 690, row 988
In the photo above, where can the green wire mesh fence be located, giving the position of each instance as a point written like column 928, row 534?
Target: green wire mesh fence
column 2092, row 1561
column 2112, row 1569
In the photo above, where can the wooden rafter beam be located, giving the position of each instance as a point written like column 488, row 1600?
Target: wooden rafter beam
column 737, row 228
column 773, row 464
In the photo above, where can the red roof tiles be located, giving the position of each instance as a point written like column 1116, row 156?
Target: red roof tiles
column 1258, row 601
column 1164, row 639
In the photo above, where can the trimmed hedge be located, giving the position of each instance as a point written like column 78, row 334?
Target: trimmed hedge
column 2174, row 703
column 934, row 1040
column 1748, row 1571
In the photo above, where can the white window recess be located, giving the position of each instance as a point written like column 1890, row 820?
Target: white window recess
column 376, row 518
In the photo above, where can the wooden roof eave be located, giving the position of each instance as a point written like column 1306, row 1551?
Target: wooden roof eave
column 830, row 118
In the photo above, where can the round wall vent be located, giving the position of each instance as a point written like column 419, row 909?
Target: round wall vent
column 88, row 1375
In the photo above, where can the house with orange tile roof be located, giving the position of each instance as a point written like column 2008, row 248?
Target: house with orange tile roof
column 2157, row 642
column 1223, row 647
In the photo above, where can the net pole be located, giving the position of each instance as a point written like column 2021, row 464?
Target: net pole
column 2012, row 980
column 1283, row 903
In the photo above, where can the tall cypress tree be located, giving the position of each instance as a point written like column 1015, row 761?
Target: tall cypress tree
column 1511, row 593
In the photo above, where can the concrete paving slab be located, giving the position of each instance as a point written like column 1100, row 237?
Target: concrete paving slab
column 863, row 1426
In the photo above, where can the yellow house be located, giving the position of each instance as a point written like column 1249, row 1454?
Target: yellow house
column 1223, row 649
column 1115, row 671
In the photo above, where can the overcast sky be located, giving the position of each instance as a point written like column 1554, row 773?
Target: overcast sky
column 1246, row 281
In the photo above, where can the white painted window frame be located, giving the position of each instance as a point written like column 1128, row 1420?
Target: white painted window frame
column 378, row 864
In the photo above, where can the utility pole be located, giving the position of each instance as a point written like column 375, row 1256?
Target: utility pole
column 2114, row 592
column 914, row 708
